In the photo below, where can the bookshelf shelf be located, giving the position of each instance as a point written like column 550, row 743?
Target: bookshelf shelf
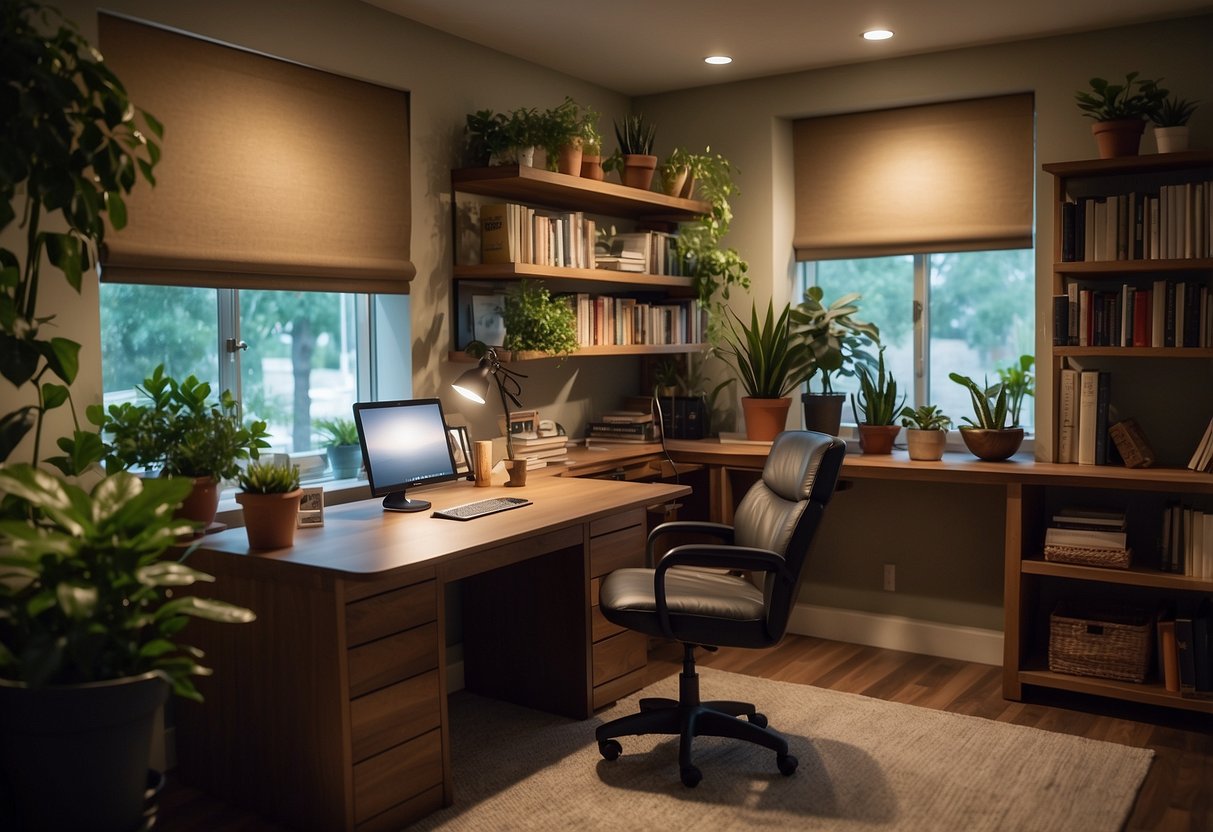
column 1134, row 575
column 1134, row 352
column 518, row 271
column 1146, row 693
column 1122, row 269
column 460, row 357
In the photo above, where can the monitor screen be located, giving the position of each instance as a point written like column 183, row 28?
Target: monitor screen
column 404, row 443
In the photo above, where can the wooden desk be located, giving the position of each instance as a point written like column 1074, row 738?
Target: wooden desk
column 329, row 711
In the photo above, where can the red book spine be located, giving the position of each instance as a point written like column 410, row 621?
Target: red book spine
column 1141, row 319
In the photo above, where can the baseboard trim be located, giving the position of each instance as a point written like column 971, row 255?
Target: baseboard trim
column 895, row 632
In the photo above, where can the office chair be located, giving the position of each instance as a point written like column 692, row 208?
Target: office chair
column 773, row 527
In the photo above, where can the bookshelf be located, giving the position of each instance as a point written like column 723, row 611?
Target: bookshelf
column 1034, row 585
column 548, row 190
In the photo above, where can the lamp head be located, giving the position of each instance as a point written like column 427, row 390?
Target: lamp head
column 474, row 384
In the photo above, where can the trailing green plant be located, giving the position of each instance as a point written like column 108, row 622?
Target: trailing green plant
column 877, row 398
column 534, row 320
column 73, row 146
column 1018, row 381
column 677, row 163
column 635, row 135
column 614, row 162
column 1132, row 99
column 1173, row 112
column 924, row 417
column 269, row 478
column 526, row 127
column 565, row 123
column 990, row 408
column 839, row 343
column 180, row 432
column 767, row 360
column 340, row 430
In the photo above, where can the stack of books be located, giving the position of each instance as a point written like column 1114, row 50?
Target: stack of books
column 540, row 450
column 624, row 426
column 1089, row 537
column 624, row 261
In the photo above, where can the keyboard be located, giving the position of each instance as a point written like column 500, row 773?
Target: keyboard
column 468, row 511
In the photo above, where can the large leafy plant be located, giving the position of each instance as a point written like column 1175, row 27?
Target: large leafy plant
column 768, row 361
column 839, row 342
column 1109, row 102
column 1018, row 380
column 534, row 320
column 990, row 410
column 877, row 398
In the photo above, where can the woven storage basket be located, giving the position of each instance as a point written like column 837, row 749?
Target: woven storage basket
column 1104, row 643
column 1116, row 558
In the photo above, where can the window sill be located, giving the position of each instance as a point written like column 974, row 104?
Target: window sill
column 336, row 492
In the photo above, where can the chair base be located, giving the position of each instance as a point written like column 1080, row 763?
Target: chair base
column 688, row 717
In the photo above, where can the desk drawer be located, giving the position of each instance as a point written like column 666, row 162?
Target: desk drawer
column 600, row 628
column 397, row 775
column 617, row 549
column 390, row 612
column 395, row 658
column 619, row 654
column 394, row 714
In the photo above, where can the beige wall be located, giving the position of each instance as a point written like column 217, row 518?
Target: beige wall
column 945, row 540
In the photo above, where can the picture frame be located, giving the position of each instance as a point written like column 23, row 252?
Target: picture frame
column 311, row 508
column 488, row 325
column 461, row 448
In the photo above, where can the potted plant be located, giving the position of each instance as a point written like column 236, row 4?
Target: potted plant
column 674, row 172
column 269, row 494
column 342, row 447
column 838, row 344
column 1170, row 121
column 537, row 322
column 525, row 129
column 988, row 435
column 181, row 432
column 487, row 137
column 770, row 363
column 1019, row 382
column 635, row 137
column 591, row 147
column 926, row 431
column 88, row 631
column 566, row 130
column 877, row 401
column 1120, row 112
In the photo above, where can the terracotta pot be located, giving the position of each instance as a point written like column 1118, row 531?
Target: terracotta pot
column 765, row 418
column 591, row 167
column 878, row 439
column 823, row 411
column 270, row 519
column 673, row 184
column 926, row 445
column 992, row 445
column 688, row 188
column 568, row 161
column 1119, row 137
column 1171, row 139
column 201, row 503
column 638, row 171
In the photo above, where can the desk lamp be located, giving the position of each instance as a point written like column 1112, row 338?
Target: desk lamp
column 474, row 385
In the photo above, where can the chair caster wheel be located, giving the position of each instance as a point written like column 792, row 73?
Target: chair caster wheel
column 691, row 777
column 758, row 719
column 611, row 749
column 787, row 764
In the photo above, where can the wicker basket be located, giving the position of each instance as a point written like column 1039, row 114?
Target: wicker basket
column 1087, row 556
column 1104, row 643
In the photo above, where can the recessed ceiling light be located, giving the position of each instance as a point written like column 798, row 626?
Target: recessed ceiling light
column 878, row 34
column 718, row 59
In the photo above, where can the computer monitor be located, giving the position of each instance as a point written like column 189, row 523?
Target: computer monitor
column 404, row 443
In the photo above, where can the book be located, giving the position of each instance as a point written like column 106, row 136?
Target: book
column 1061, row 320
column 1167, row 655
column 1197, row 463
column 1202, row 677
column 1096, row 518
column 1185, row 654
column 1103, row 396
column 1086, row 538
column 495, row 238
column 1131, row 443
column 1088, row 398
column 627, row 416
column 1067, row 448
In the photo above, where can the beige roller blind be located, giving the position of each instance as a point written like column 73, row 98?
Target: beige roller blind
column 940, row 177
column 273, row 175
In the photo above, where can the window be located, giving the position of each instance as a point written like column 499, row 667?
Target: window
column 968, row 312
column 308, row 354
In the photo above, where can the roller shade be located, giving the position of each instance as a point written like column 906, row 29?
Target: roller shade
column 956, row 176
column 273, row 175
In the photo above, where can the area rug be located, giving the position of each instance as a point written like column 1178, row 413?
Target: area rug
column 865, row 764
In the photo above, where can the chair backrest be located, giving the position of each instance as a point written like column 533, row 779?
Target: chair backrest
column 782, row 510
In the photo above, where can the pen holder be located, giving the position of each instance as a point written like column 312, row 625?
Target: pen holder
column 517, row 469
column 483, row 458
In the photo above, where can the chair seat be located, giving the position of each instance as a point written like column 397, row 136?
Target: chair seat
column 705, row 607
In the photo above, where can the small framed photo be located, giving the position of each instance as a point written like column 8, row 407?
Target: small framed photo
column 311, row 507
column 461, row 448
column 487, row 323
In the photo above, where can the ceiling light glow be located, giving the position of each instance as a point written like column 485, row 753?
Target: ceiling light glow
column 718, row 59
column 878, row 34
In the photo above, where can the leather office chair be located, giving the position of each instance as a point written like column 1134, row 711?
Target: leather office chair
column 773, row 527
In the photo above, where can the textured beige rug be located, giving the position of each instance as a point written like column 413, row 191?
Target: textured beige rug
column 865, row 764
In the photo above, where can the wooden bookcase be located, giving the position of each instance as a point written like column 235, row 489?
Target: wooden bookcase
column 1033, row 585
column 545, row 189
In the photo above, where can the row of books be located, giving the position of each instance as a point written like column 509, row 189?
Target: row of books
column 1187, row 541
column 1083, row 399
column 624, row 426
column 1166, row 313
column 657, row 252
column 1174, row 223
column 540, row 443
column 513, row 233
column 621, row 321
column 1185, row 649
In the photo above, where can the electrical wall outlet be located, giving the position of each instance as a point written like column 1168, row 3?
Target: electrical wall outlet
column 890, row 577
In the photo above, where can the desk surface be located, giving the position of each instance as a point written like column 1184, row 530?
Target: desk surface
column 361, row 538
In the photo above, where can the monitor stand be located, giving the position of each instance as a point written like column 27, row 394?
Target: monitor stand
column 397, row 501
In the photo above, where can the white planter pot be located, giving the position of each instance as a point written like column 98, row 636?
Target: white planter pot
column 1171, row 139
column 926, row 445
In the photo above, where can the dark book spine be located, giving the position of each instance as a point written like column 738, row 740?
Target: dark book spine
column 1168, row 338
column 1203, row 676
column 1061, row 320
column 1186, row 653
column 1101, row 418
column 1069, row 215
column 1192, row 310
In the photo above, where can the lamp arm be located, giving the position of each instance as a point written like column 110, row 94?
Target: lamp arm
column 509, row 445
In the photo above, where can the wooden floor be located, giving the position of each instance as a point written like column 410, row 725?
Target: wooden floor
column 1176, row 797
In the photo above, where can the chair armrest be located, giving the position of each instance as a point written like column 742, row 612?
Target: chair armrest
column 720, row 531
column 723, row 557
